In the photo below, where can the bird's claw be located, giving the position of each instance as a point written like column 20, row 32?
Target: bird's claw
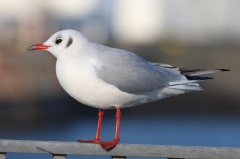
column 107, row 144
column 89, row 141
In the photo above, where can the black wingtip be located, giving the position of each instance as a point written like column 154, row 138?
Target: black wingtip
column 224, row 70
column 198, row 78
column 206, row 78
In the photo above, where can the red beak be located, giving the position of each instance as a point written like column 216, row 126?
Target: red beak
column 37, row 47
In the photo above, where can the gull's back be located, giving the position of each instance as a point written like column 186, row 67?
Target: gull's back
column 129, row 72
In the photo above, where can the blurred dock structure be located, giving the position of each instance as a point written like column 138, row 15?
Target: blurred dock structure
column 60, row 150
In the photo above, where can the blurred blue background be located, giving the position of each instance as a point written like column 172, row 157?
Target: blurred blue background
column 183, row 33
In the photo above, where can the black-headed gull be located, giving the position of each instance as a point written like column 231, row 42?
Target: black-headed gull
column 107, row 78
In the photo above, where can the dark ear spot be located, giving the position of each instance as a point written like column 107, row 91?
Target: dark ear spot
column 70, row 40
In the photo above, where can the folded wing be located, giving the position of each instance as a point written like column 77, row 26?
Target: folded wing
column 132, row 74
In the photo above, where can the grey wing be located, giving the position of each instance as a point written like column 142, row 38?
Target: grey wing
column 132, row 74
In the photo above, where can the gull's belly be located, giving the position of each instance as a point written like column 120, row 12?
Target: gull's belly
column 81, row 82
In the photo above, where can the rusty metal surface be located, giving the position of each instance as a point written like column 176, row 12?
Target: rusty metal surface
column 121, row 150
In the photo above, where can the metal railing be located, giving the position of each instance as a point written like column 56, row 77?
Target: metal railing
column 60, row 150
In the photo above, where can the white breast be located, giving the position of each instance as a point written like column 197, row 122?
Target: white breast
column 78, row 79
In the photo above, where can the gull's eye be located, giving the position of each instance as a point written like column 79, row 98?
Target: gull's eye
column 58, row 41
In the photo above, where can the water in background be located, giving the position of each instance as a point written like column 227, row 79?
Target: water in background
column 171, row 129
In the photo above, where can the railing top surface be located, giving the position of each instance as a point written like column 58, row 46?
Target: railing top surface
column 75, row 148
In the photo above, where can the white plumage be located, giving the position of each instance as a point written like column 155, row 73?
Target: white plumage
column 106, row 78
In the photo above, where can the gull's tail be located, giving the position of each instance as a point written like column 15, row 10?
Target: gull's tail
column 191, row 74
column 194, row 72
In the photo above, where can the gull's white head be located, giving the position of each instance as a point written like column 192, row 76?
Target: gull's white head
column 64, row 41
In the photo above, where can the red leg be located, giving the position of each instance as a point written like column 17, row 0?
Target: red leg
column 109, row 144
column 97, row 138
